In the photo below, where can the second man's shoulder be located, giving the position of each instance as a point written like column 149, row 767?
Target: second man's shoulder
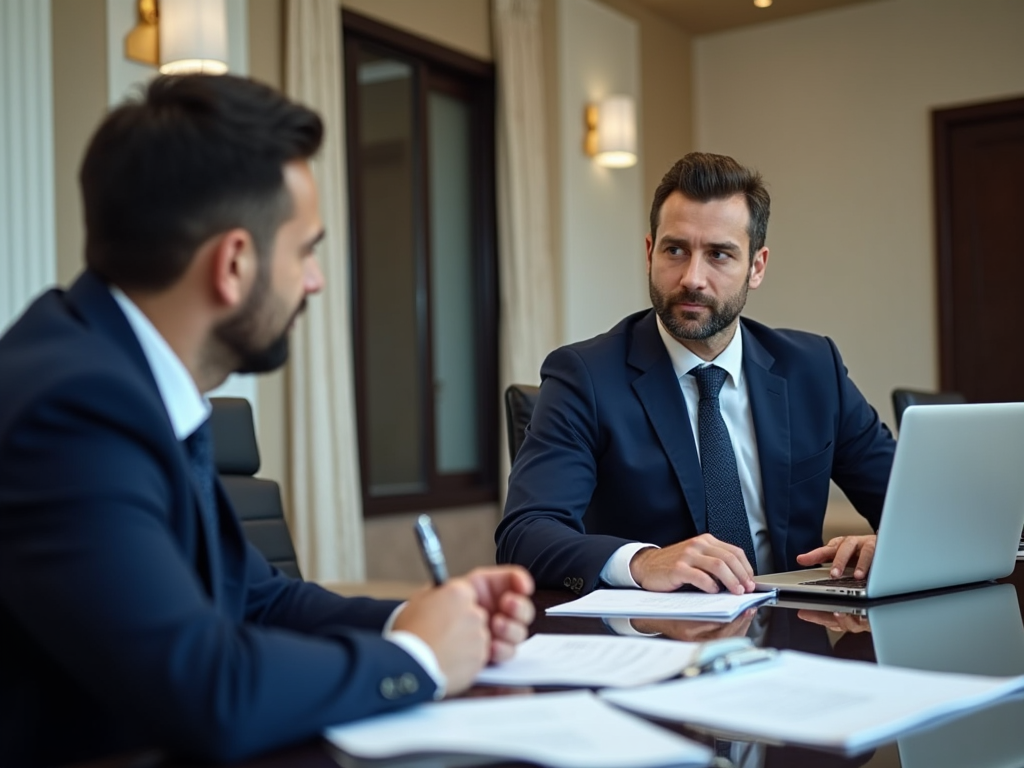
column 788, row 343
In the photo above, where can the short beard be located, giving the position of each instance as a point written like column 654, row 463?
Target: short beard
column 721, row 316
column 239, row 332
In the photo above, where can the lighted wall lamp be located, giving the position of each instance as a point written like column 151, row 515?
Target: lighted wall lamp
column 180, row 36
column 611, row 132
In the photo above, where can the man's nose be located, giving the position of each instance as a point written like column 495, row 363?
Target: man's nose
column 694, row 273
column 314, row 277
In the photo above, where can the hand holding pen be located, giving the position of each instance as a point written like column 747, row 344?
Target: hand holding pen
column 470, row 620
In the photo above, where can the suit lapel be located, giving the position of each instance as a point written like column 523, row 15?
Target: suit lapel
column 659, row 393
column 769, row 405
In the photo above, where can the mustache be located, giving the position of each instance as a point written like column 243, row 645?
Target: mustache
column 686, row 296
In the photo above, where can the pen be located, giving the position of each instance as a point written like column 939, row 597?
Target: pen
column 729, row 661
column 430, row 545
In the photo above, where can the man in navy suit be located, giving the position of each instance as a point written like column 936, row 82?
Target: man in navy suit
column 134, row 615
column 609, row 487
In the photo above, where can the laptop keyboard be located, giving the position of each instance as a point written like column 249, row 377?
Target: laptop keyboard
column 843, row 581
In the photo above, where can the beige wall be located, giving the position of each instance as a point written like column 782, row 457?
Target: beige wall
column 464, row 25
column 79, row 102
column 666, row 114
column 834, row 109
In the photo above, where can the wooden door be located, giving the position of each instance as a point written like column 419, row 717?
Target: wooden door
column 979, row 183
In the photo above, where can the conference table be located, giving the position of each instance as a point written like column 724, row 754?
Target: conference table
column 977, row 629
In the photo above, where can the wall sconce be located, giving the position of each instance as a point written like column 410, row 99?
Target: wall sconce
column 180, row 36
column 611, row 132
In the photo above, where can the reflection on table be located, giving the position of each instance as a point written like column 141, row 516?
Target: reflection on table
column 976, row 630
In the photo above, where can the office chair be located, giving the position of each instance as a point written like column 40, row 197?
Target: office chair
column 519, row 402
column 903, row 398
column 257, row 502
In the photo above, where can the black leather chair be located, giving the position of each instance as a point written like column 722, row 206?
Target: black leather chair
column 904, row 398
column 519, row 402
column 257, row 502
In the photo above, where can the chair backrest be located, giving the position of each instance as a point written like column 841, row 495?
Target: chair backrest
column 904, row 398
column 257, row 502
column 519, row 402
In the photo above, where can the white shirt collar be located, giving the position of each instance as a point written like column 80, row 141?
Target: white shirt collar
column 186, row 406
column 683, row 360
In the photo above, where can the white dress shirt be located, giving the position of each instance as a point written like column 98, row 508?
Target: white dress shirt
column 734, row 401
column 187, row 408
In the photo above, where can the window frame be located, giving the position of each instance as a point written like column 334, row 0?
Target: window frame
column 453, row 73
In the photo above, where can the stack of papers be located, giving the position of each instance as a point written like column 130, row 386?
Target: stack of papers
column 566, row 730
column 817, row 701
column 677, row 605
column 594, row 661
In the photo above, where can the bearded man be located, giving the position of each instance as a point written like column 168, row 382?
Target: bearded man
column 688, row 445
column 135, row 615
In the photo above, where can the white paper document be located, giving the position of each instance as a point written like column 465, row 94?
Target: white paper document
column 679, row 605
column 573, row 729
column 591, row 660
column 816, row 701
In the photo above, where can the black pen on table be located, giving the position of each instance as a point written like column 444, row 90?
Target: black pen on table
column 431, row 548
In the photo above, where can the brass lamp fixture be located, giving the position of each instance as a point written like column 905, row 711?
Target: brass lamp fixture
column 180, row 36
column 611, row 131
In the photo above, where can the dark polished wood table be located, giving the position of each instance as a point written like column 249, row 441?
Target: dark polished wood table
column 976, row 629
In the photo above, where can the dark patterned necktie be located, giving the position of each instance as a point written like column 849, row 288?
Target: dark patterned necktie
column 727, row 515
column 199, row 446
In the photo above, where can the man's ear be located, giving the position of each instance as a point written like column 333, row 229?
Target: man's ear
column 757, row 267
column 648, row 245
column 233, row 264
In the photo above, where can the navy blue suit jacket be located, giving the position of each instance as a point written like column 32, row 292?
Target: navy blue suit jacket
column 125, row 623
column 609, row 456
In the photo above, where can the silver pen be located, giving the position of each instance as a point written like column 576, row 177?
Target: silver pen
column 430, row 545
column 730, row 661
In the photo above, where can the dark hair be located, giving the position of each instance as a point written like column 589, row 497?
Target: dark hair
column 704, row 177
column 195, row 156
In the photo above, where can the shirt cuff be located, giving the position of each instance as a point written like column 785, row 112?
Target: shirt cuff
column 616, row 571
column 624, row 626
column 418, row 649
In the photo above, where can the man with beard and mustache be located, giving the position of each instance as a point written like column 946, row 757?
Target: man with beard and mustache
column 688, row 446
column 134, row 614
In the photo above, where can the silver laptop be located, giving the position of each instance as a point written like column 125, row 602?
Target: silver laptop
column 953, row 510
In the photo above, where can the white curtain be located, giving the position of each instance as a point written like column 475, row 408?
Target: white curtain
column 28, row 250
column 527, row 267
column 327, row 514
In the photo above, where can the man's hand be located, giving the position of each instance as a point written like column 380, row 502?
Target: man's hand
column 471, row 620
column 703, row 561
column 837, row 622
column 504, row 592
column 840, row 551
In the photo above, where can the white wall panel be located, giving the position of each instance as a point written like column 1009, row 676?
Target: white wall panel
column 28, row 260
column 603, row 273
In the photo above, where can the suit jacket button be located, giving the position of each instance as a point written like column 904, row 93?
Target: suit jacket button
column 388, row 688
column 408, row 683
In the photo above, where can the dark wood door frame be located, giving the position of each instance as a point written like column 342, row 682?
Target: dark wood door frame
column 945, row 122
